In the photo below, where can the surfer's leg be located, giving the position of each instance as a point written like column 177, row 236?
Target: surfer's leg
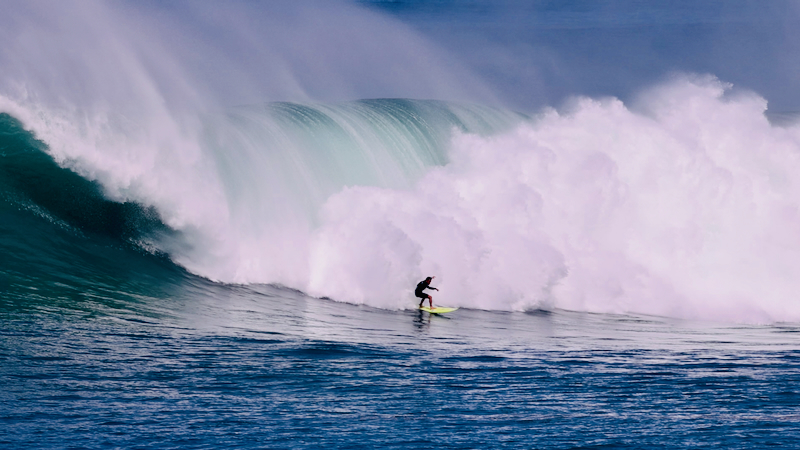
column 430, row 300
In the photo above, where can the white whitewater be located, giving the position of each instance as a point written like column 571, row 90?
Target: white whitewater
column 687, row 207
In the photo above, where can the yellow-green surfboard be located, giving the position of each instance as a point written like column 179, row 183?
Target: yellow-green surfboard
column 437, row 310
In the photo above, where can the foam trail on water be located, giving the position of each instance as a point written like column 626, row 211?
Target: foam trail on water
column 686, row 207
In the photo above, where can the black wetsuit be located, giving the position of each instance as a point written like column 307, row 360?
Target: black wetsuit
column 421, row 286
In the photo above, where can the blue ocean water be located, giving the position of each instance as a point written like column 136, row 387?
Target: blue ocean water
column 238, row 367
column 212, row 219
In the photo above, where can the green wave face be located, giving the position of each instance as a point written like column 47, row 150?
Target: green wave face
column 297, row 155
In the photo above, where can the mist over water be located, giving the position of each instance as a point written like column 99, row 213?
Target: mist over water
column 247, row 130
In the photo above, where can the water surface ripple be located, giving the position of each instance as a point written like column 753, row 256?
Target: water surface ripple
column 269, row 368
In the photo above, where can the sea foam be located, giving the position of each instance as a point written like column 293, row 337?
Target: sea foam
column 686, row 205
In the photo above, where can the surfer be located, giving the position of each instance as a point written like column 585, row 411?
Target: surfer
column 421, row 286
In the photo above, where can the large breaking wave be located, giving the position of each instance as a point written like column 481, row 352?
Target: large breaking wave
column 684, row 203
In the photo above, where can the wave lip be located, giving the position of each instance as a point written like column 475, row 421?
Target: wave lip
column 30, row 179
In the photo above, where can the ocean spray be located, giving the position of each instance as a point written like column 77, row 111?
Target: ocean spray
column 685, row 206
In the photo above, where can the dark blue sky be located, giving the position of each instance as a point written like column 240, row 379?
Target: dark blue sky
column 538, row 52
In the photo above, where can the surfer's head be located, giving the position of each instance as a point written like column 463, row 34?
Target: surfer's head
column 429, row 279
